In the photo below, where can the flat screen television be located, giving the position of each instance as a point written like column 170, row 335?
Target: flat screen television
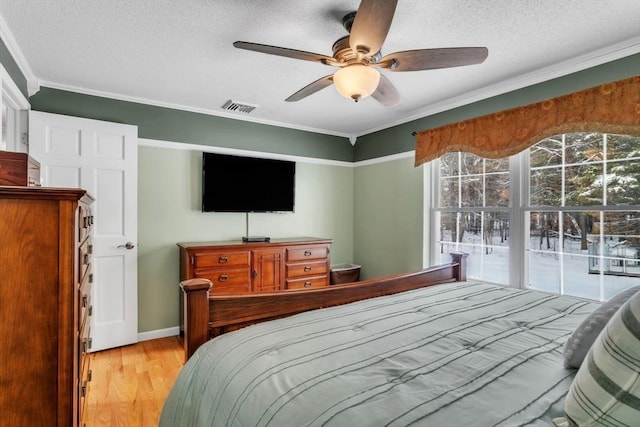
column 247, row 184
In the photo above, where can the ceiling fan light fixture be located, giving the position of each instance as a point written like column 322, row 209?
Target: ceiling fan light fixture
column 356, row 81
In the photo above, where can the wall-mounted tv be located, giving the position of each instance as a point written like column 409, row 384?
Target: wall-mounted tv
column 247, row 184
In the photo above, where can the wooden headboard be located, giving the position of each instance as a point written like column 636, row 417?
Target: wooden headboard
column 206, row 316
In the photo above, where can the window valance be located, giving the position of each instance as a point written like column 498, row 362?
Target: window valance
column 610, row 108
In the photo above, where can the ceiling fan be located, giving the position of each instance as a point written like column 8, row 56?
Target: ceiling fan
column 358, row 56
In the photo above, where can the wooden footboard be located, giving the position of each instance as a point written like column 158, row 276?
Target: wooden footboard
column 208, row 316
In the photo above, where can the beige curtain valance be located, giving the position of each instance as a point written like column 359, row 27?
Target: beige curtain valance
column 612, row 108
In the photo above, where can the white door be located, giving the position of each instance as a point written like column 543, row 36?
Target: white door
column 102, row 158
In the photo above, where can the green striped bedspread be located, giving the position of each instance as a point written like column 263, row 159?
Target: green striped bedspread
column 461, row 354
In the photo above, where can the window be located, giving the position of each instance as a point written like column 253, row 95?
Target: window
column 563, row 216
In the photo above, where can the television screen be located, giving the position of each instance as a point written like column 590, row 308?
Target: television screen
column 247, row 184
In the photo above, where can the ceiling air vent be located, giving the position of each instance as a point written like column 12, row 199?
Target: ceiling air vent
column 238, row 107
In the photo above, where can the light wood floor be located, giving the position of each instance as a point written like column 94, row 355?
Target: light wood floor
column 130, row 384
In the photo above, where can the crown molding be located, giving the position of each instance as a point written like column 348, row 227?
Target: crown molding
column 33, row 84
column 11, row 93
column 579, row 63
column 173, row 106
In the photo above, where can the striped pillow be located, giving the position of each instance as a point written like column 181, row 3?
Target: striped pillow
column 606, row 388
column 586, row 333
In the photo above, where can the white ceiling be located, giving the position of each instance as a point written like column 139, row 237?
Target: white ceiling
column 179, row 54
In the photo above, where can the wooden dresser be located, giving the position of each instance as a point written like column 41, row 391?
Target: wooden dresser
column 45, row 263
column 239, row 267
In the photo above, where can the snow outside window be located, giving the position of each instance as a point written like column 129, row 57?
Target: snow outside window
column 562, row 217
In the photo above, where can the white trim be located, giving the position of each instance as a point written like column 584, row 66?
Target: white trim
column 14, row 50
column 172, row 145
column 11, row 93
column 583, row 62
column 237, row 152
column 384, row 159
column 158, row 333
column 221, row 113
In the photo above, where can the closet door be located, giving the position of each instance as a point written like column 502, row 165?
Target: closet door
column 100, row 157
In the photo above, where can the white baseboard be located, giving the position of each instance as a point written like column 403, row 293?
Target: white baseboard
column 158, row 333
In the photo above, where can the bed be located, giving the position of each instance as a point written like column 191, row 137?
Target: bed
column 426, row 349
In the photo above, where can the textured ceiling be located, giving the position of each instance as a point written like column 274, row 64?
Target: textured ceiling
column 179, row 53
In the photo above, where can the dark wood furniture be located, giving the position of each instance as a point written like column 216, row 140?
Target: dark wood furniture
column 238, row 267
column 45, row 254
column 19, row 169
column 207, row 316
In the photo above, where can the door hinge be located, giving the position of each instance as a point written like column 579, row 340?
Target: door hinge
column 192, row 260
column 24, row 138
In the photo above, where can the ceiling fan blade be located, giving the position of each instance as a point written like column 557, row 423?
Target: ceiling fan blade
column 386, row 93
column 430, row 59
column 286, row 52
column 311, row 88
column 371, row 25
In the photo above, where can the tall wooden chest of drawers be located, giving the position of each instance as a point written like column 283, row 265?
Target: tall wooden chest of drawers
column 45, row 263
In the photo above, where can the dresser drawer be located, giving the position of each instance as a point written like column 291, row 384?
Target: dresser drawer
column 304, row 253
column 85, row 252
column 228, row 279
column 306, row 269
column 84, row 379
column 85, row 222
column 308, row 283
column 220, row 259
column 83, row 386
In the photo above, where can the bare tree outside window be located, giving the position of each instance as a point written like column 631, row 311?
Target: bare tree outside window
column 582, row 213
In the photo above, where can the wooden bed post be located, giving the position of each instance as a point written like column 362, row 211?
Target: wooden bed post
column 195, row 300
column 461, row 270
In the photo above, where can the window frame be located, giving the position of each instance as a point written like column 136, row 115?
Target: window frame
column 520, row 210
column 17, row 113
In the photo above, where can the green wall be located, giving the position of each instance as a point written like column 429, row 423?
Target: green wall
column 374, row 212
column 388, row 231
column 169, row 182
column 12, row 68
column 399, row 138
column 194, row 128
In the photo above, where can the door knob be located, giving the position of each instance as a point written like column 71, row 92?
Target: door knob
column 128, row 245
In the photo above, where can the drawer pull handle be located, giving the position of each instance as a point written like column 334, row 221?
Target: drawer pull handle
column 90, row 277
column 223, row 278
column 90, row 375
column 307, row 253
column 86, row 259
column 307, row 284
column 90, row 249
column 307, row 268
column 85, row 300
column 90, row 314
column 223, row 260
column 83, row 389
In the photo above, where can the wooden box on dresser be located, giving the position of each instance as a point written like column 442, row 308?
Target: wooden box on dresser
column 19, row 169
column 45, row 259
